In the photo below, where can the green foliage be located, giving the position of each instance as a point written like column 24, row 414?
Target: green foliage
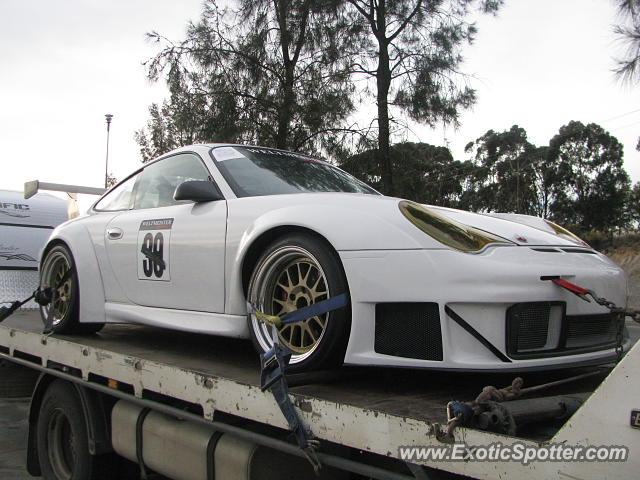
column 577, row 181
column 628, row 67
column 111, row 180
column 633, row 206
column 591, row 185
column 411, row 49
column 598, row 240
column 282, row 73
column 512, row 174
column 269, row 72
column 613, row 242
column 423, row 173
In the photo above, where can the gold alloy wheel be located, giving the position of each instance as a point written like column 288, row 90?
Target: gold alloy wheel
column 300, row 284
column 56, row 266
column 288, row 279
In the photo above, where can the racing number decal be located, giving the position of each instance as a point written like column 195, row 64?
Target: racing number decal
column 153, row 249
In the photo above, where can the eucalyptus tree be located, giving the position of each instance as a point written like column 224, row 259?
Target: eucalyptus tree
column 505, row 180
column 633, row 206
column 592, row 185
column 411, row 49
column 424, row 173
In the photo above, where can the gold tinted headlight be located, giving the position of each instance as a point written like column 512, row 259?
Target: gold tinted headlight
column 566, row 234
column 448, row 231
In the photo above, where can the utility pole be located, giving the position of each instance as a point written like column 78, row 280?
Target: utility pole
column 108, row 117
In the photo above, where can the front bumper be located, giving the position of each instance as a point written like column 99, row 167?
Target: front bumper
column 479, row 288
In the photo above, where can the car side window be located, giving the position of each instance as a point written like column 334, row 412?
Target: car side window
column 119, row 198
column 158, row 181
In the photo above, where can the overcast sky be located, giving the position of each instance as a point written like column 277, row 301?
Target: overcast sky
column 64, row 64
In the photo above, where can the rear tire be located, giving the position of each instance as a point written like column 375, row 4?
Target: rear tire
column 66, row 304
column 295, row 271
column 62, row 438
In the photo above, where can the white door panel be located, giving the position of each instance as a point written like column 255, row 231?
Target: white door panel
column 95, row 225
column 171, row 257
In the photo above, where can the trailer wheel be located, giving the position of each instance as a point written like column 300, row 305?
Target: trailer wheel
column 65, row 306
column 295, row 271
column 62, row 439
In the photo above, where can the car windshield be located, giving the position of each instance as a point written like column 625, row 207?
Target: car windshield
column 252, row 172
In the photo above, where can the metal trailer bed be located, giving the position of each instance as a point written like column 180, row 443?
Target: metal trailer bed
column 370, row 410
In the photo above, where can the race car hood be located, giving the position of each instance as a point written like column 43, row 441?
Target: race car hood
column 364, row 222
column 516, row 232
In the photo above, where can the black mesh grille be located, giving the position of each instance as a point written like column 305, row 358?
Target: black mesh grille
column 590, row 330
column 530, row 327
column 532, row 324
column 410, row 330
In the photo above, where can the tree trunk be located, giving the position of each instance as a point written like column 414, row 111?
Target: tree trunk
column 286, row 109
column 285, row 113
column 383, row 79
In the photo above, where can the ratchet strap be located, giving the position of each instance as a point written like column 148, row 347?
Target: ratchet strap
column 274, row 365
column 304, row 313
column 43, row 297
column 6, row 312
column 575, row 289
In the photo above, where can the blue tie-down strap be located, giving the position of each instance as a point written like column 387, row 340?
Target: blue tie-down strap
column 460, row 411
column 304, row 313
column 316, row 309
column 272, row 377
column 274, row 365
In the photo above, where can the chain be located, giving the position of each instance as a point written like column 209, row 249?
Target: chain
column 622, row 314
column 619, row 338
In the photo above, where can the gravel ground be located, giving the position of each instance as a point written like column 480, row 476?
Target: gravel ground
column 13, row 438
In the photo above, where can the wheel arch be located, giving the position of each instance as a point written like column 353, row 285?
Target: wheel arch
column 257, row 246
column 77, row 240
column 52, row 243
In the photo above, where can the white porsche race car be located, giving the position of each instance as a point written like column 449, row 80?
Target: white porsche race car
column 192, row 238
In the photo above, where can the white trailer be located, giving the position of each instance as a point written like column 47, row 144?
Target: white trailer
column 25, row 226
column 189, row 406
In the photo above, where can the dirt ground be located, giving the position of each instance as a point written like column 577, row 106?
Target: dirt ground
column 629, row 259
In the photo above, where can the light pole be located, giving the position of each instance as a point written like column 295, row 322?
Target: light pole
column 108, row 116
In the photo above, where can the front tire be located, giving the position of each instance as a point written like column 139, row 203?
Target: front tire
column 64, row 307
column 295, row 271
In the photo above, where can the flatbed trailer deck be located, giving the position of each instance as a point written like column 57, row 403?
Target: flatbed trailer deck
column 365, row 410
column 418, row 395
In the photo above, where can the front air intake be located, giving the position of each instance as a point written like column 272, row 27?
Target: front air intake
column 409, row 330
column 592, row 330
column 541, row 329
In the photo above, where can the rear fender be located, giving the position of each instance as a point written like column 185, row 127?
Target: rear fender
column 76, row 237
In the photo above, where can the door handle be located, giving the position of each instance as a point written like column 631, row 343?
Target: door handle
column 114, row 233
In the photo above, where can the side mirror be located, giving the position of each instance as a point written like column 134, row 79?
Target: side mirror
column 197, row 191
